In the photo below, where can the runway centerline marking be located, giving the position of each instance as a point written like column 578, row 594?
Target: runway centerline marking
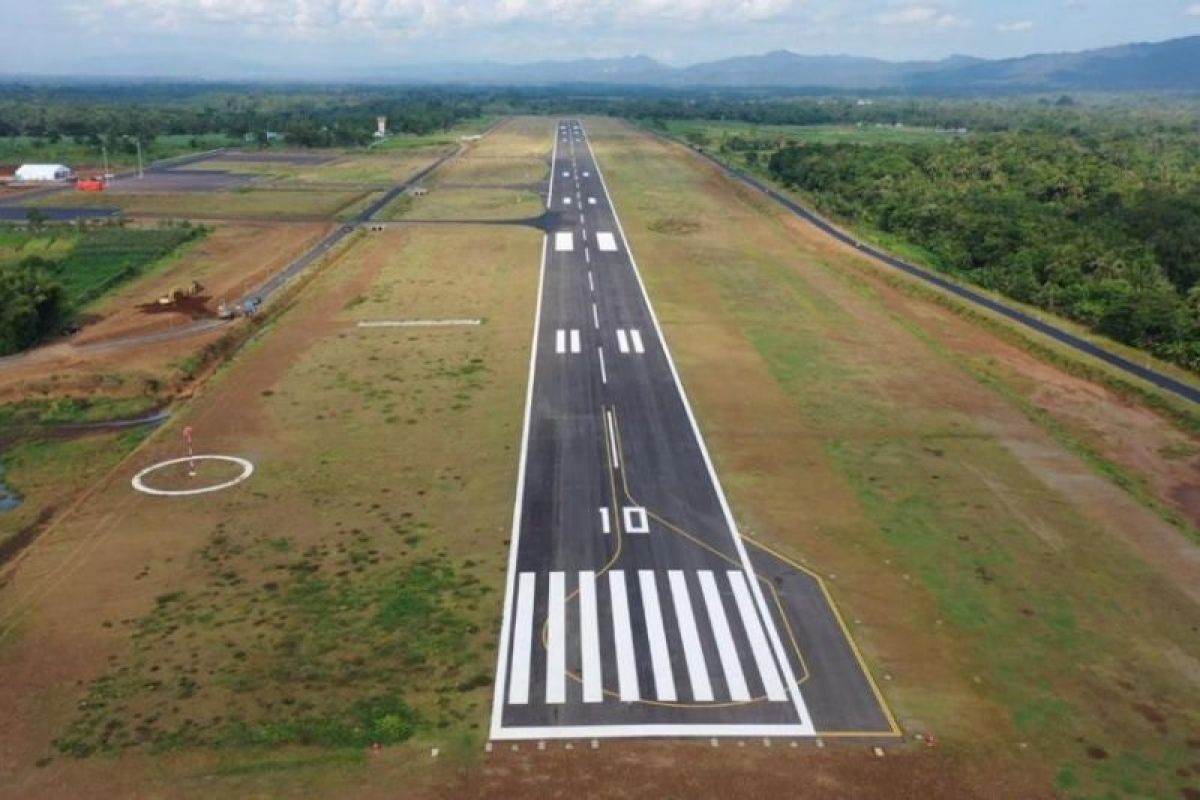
column 595, row 317
column 603, row 371
column 612, row 440
column 591, row 284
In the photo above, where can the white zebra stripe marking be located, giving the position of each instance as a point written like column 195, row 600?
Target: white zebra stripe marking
column 692, row 654
column 726, row 651
column 758, row 639
column 660, row 659
column 589, row 639
column 518, row 684
column 627, row 681
column 556, row 646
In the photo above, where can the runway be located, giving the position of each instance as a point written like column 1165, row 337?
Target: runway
column 632, row 606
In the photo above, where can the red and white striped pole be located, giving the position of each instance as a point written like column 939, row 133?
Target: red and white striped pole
column 187, row 438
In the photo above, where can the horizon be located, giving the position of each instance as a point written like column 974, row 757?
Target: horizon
column 340, row 40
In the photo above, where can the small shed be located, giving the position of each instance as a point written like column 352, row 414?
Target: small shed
column 44, row 172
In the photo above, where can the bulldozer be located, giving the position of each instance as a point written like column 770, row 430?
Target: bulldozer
column 180, row 293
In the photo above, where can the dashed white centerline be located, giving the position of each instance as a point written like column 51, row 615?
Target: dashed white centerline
column 595, row 317
column 587, row 254
column 591, row 284
column 603, row 371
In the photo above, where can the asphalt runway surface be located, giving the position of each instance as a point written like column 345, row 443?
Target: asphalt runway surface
column 633, row 606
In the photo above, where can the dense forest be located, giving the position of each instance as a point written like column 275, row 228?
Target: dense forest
column 307, row 117
column 1101, row 227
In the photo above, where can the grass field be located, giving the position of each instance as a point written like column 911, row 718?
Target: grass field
column 350, row 594
column 238, row 203
column 716, row 131
column 355, row 166
column 484, row 204
column 995, row 596
column 18, row 149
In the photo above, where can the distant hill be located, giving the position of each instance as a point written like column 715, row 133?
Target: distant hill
column 1170, row 65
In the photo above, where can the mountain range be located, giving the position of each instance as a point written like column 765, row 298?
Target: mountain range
column 1172, row 65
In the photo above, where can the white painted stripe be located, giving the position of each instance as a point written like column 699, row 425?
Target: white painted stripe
column 589, row 639
column 636, row 520
column 584, row 232
column 566, row 174
column 636, row 336
column 566, row 201
column 673, row 731
column 605, row 241
column 612, row 439
column 556, row 645
column 587, row 254
column 591, row 201
column 660, row 659
column 564, row 242
column 758, row 640
column 603, row 371
column 726, row 649
column 586, row 173
column 622, row 341
column 575, row 347
column 591, row 283
column 605, row 521
column 518, row 687
column 693, row 656
column 595, row 317
column 560, row 341
column 496, row 726
column 804, row 722
column 627, row 682
column 417, row 323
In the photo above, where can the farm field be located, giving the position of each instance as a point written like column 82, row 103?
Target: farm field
column 714, row 132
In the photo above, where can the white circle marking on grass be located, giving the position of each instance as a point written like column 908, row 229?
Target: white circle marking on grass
column 140, row 485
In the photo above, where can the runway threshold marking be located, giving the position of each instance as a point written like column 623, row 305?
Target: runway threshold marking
column 626, row 660
column 589, row 639
column 758, row 640
column 556, row 647
column 660, row 659
column 804, row 720
column 692, row 654
column 518, row 689
column 735, row 680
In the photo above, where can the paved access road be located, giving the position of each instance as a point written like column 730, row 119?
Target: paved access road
column 632, row 606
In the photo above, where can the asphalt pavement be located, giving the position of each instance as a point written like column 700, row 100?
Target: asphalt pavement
column 633, row 607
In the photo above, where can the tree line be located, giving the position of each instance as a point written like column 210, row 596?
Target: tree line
column 1103, row 228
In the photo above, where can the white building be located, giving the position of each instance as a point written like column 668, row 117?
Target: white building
column 43, row 172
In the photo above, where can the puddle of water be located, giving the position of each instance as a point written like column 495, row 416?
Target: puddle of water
column 9, row 499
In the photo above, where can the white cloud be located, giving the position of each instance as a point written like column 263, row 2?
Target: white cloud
column 1017, row 26
column 314, row 16
column 928, row 16
column 1193, row 10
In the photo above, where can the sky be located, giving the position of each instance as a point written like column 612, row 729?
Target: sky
column 353, row 38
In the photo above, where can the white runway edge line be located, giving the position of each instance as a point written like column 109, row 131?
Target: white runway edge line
column 502, row 652
column 804, row 725
column 496, row 730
